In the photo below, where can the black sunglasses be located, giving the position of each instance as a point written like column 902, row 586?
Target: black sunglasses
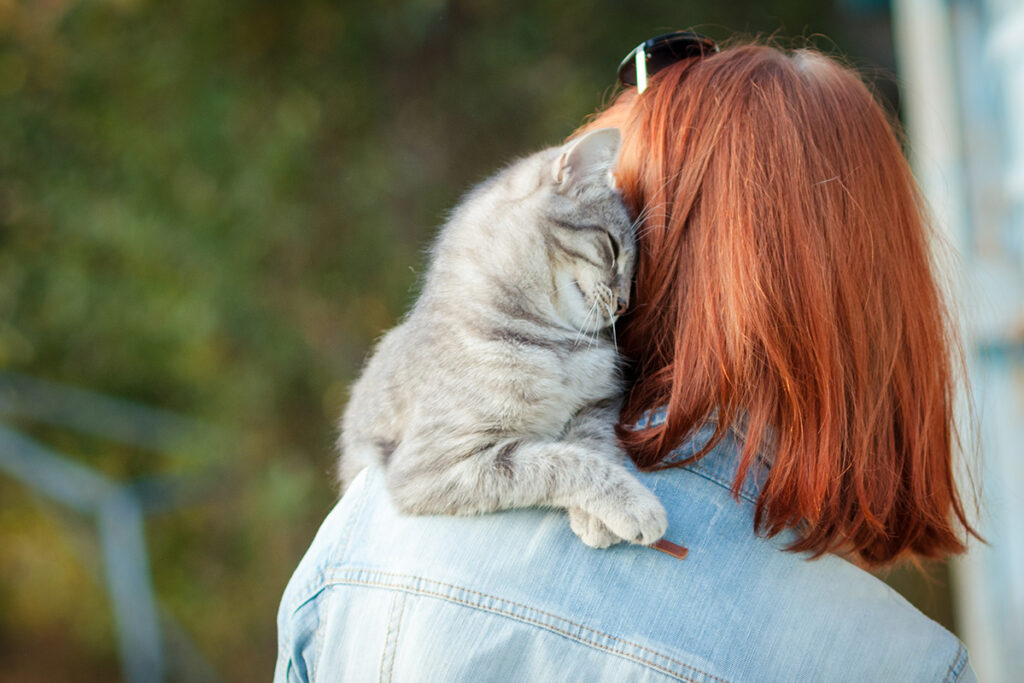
column 654, row 54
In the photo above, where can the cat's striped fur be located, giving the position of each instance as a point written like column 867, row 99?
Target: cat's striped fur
column 500, row 388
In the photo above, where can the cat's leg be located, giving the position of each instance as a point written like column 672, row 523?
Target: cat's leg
column 608, row 518
column 455, row 476
column 594, row 427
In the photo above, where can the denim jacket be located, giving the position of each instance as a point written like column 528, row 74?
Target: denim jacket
column 515, row 596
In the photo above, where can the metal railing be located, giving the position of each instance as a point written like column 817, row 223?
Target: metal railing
column 118, row 508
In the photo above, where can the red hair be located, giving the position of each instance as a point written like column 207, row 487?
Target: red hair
column 784, row 287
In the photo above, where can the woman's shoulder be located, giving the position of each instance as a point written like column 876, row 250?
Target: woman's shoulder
column 736, row 608
column 825, row 616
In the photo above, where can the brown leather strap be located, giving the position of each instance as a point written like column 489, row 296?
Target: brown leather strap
column 670, row 548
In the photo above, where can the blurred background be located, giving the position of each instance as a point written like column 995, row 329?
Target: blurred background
column 210, row 209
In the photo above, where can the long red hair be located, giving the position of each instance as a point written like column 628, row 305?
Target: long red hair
column 784, row 286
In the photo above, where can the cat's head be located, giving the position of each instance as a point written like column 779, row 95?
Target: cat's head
column 588, row 233
column 548, row 235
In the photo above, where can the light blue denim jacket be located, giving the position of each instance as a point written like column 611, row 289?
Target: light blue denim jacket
column 515, row 596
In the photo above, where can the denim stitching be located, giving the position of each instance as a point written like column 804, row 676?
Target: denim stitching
column 338, row 577
column 398, row 607
column 398, row 630
column 519, row 617
column 285, row 645
column 387, row 639
column 700, row 472
column 949, row 671
column 956, row 667
column 320, row 622
column 317, row 581
column 712, row 463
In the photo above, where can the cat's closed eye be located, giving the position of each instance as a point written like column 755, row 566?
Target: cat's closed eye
column 614, row 248
column 611, row 249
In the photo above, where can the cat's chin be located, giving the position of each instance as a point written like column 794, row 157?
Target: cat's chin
column 589, row 328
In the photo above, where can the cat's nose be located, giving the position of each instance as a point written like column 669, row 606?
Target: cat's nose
column 623, row 304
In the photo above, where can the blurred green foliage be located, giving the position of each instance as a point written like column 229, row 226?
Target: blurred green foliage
column 215, row 207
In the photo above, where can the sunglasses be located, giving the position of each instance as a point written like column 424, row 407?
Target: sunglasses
column 654, row 54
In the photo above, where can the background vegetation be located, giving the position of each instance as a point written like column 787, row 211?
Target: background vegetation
column 214, row 207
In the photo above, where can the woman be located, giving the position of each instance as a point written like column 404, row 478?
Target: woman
column 791, row 406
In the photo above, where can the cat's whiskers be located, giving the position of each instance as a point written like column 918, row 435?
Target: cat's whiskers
column 644, row 229
column 593, row 329
column 609, row 312
column 586, row 324
column 648, row 208
column 568, row 285
column 646, row 211
column 571, row 283
column 599, row 312
column 596, row 335
column 615, row 339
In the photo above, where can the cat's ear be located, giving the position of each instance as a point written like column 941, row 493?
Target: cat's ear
column 595, row 152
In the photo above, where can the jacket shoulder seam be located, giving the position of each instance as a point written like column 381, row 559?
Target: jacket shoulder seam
column 486, row 602
column 315, row 585
column 957, row 666
column 715, row 479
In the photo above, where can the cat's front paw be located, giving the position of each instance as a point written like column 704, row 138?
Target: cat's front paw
column 630, row 512
column 590, row 529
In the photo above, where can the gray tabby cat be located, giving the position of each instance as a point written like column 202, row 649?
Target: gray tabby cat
column 500, row 389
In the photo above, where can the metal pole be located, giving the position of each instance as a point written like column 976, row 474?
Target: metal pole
column 122, row 537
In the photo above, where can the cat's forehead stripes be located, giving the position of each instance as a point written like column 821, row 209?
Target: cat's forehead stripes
column 570, row 225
